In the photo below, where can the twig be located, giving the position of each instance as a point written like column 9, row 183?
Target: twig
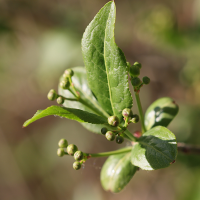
column 188, row 148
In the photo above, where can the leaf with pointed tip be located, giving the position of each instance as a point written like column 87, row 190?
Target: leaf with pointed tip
column 70, row 113
column 80, row 83
column 116, row 172
column 105, row 63
column 160, row 113
column 155, row 149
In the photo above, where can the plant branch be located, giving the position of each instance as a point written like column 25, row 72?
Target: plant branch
column 188, row 148
column 140, row 111
column 109, row 153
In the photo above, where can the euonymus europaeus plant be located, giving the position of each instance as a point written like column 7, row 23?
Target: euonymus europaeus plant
column 98, row 97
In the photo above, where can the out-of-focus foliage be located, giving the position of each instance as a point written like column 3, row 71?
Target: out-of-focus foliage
column 38, row 40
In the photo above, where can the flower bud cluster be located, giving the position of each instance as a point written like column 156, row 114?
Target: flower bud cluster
column 134, row 71
column 127, row 113
column 112, row 135
column 52, row 95
column 72, row 150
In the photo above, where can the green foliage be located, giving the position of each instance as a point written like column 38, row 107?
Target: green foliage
column 98, row 96
column 155, row 149
column 117, row 171
column 105, row 63
column 70, row 113
column 160, row 113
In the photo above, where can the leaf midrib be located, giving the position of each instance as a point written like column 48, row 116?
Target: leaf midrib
column 145, row 144
column 109, row 88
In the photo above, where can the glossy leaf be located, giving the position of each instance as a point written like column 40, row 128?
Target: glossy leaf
column 105, row 63
column 70, row 113
column 155, row 149
column 160, row 112
column 116, row 172
column 80, row 82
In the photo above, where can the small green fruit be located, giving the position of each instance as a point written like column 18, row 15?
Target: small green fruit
column 60, row 100
column 110, row 135
column 137, row 64
column 134, row 118
column 65, row 84
column 78, row 155
column 60, row 152
column 134, row 70
column 71, row 149
column 68, row 73
column 52, row 95
column 126, row 112
column 146, row 80
column 119, row 139
column 62, row 143
column 104, row 130
column 113, row 120
column 76, row 165
column 135, row 81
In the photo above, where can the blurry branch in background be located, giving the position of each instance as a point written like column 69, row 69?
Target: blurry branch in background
column 188, row 148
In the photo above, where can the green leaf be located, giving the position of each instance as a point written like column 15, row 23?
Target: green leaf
column 116, row 173
column 70, row 113
column 105, row 63
column 156, row 149
column 80, row 82
column 160, row 112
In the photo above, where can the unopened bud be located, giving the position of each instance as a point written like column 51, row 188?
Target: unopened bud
column 68, row 73
column 104, row 130
column 134, row 70
column 52, row 95
column 113, row 120
column 65, row 84
column 78, row 155
column 119, row 139
column 134, row 118
column 126, row 112
column 138, row 64
column 146, row 80
column 71, row 149
column 62, row 143
column 60, row 152
column 76, row 165
column 60, row 100
column 135, row 81
column 110, row 135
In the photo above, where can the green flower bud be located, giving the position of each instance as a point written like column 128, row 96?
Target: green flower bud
column 60, row 100
column 71, row 149
column 76, row 165
column 128, row 64
column 113, row 120
column 52, row 95
column 146, row 80
column 68, row 73
column 134, row 118
column 104, row 130
column 65, row 84
column 137, row 64
column 119, row 139
column 126, row 112
column 135, row 81
column 60, row 152
column 134, row 70
column 62, row 143
column 78, row 155
column 110, row 135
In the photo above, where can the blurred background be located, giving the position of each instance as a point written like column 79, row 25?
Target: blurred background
column 38, row 41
